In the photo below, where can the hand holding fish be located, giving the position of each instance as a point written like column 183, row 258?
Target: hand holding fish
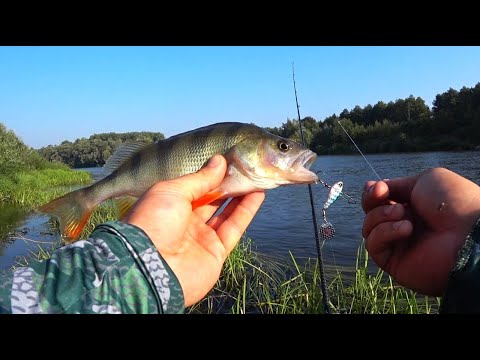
column 193, row 245
column 415, row 226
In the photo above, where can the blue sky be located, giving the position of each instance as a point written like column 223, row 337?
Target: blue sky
column 51, row 94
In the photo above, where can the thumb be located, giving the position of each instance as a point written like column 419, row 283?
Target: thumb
column 400, row 189
column 195, row 185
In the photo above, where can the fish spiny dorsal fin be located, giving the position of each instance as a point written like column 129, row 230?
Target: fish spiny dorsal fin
column 124, row 152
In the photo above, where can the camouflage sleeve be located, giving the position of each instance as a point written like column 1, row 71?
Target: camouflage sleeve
column 117, row 270
column 463, row 289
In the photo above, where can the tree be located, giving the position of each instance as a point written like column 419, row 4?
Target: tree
column 95, row 150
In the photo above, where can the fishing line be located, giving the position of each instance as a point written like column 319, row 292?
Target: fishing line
column 323, row 280
column 360, row 151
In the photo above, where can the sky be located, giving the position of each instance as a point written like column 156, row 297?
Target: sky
column 52, row 94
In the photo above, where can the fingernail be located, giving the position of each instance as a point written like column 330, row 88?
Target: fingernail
column 398, row 224
column 214, row 161
column 387, row 210
column 370, row 189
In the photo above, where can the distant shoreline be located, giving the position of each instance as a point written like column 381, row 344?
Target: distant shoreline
column 347, row 154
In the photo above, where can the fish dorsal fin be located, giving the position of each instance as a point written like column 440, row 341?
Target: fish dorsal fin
column 124, row 152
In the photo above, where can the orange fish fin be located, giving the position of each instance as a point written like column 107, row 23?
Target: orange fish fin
column 74, row 227
column 72, row 213
column 124, row 204
column 208, row 198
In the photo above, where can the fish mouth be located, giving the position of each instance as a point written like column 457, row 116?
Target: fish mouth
column 301, row 168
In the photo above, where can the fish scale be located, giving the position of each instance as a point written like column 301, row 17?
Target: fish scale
column 257, row 160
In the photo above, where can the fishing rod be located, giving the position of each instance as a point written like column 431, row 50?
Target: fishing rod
column 323, row 280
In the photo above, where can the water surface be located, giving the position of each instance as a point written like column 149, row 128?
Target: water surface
column 284, row 222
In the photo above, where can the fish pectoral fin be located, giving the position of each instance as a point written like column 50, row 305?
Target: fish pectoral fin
column 208, row 198
column 124, row 204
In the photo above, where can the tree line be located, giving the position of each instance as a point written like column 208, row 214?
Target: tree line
column 404, row 125
column 95, row 150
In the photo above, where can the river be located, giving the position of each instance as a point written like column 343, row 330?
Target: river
column 284, row 222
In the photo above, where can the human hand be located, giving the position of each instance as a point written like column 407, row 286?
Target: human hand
column 415, row 226
column 194, row 247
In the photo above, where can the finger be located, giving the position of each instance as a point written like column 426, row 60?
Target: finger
column 219, row 219
column 368, row 184
column 381, row 214
column 383, row 238
column 195, row 185
column 400, row 189
column 240, row 214
column 375, row 195
column 205, row 212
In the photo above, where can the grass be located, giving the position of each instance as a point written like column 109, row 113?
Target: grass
column 252, row 283
column 35, row 252
column 36, row 187
column 26, row 178
column 102, row 213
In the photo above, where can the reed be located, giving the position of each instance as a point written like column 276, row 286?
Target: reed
column 36, row 187
column 252, row 283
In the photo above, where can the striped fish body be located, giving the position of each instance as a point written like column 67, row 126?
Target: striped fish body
column 135, row 167
column 257, row 160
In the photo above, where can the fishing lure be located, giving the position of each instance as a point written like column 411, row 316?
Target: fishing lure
column 349, row 198
column 335, row 192
column 327, row 231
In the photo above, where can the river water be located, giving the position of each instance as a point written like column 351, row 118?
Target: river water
column 284, row 222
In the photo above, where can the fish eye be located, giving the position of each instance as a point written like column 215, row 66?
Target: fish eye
column 283, row 146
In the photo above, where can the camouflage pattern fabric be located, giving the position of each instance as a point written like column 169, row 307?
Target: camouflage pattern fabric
column 117, row 270
column 463, row 290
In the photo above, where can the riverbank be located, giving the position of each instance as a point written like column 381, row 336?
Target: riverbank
column 255, row 283
column 26, row 178
column 30, row 188
column 251, row 282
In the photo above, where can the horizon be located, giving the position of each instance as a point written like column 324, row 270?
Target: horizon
column 52, row 94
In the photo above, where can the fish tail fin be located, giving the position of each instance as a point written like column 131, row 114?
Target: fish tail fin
column 72, row 211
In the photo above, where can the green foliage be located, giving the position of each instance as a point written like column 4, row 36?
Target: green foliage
column 401, row 125
column 28, row 179
column 37, row 187
column 253, row 283
column 95, row 150
column 15, row 155
column 102, row 213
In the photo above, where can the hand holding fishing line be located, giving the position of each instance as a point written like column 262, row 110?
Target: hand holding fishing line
column 192, row 244
column 415, row 226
